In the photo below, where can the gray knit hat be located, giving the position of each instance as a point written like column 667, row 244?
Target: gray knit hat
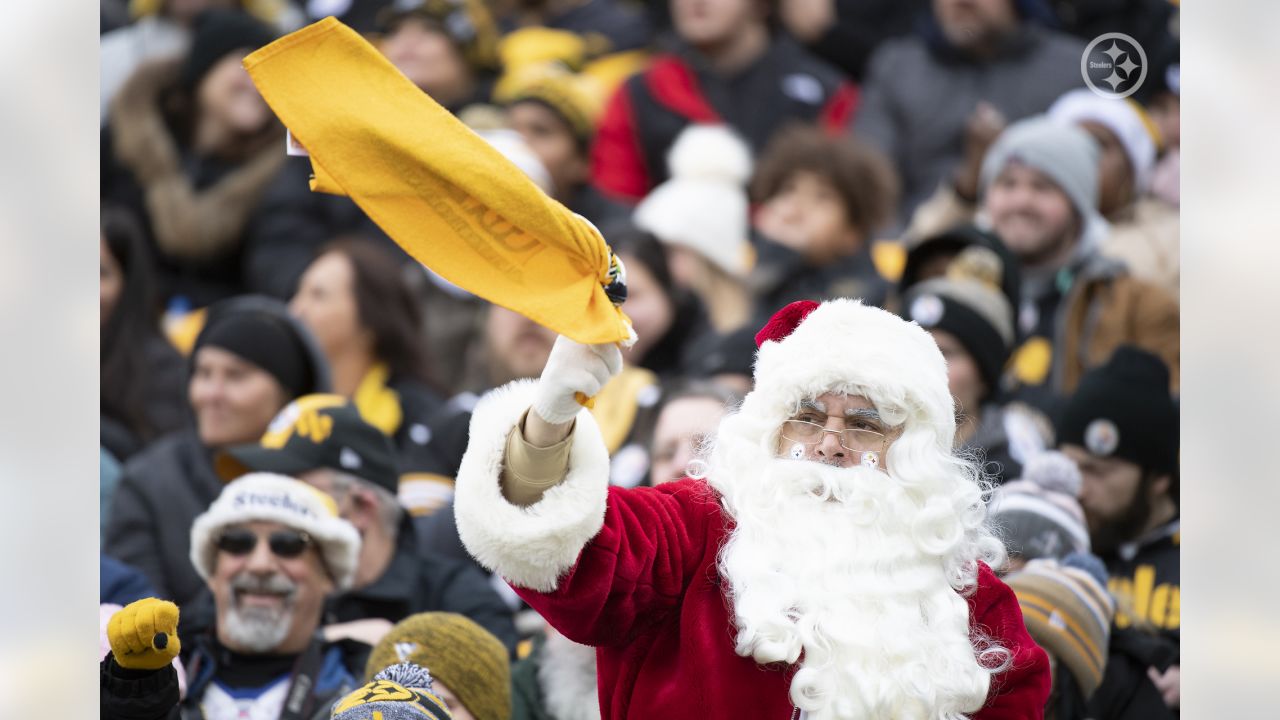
column 1058, row 149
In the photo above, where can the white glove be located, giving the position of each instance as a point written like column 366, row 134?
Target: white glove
column 573, row 368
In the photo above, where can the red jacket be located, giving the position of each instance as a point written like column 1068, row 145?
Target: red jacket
column 646, row 593
column 646, row 114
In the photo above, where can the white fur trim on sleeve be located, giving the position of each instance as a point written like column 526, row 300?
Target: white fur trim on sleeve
column 529, row 546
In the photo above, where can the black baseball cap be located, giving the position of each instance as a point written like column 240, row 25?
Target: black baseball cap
column 316, row 431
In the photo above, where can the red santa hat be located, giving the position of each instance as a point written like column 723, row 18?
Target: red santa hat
column 808, row 348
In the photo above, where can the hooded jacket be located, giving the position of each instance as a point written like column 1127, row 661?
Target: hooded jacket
column 194, row 208
column 168, row 484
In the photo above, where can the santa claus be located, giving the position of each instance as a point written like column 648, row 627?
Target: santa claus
column 832, row 561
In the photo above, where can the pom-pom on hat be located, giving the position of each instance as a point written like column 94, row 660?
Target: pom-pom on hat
column 292, row 503
column 704, row 205
column 401, row 692
column 952, row 243
column 808, row 349
column 1039, row 515
column 463, row 656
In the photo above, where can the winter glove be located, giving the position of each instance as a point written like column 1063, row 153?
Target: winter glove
column 144, row 634
column 573, row 375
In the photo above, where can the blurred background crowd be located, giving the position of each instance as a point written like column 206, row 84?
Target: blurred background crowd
column 942, row 159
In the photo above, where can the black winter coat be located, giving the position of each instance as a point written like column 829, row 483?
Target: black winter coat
column 163, row 489
column 418, row 581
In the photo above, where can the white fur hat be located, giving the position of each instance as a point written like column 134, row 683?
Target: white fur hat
column 1124, row 117
column 275, row 498
column 841, row 345
column 704, row 205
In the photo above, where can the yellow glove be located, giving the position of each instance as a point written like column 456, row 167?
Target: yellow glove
column 144, row 634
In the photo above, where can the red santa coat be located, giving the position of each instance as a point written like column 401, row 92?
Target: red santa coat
column 646, row 593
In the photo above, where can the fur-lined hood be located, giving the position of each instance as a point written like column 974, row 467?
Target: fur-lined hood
column 187, row 223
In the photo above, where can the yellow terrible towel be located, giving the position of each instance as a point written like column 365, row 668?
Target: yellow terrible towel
column 445, row 195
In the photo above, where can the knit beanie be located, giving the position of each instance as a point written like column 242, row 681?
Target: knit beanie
column 1038, row 514
column 275, row 498
column 463, row 656
column 266, row 339
column 578, row 100
column 1068, row 612
column 216, row 34
column 468, row 23
column 1123, row 409
column 704, row 205
column 955, row 240
column 1064, row 152
column 400, row 692
column 537, row 45
column 1124, row 117
column 975, row 312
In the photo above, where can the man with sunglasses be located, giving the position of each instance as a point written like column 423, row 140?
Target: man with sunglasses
column 322, row 440
column 271, row 549
column 829, row 557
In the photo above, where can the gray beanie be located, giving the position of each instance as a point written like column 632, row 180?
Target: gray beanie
column 1060, row 150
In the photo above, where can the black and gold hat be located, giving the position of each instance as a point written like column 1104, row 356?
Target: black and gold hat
column 1123, row 409
column 316, row 431
column 468, row 23
column 401, row 692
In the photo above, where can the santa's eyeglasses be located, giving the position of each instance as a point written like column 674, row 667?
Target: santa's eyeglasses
column 858, row 440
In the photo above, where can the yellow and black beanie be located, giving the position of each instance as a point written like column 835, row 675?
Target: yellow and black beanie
column 576, row 99
column 401, row 692
column 463, row 656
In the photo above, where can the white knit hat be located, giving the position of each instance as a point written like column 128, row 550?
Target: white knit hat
column 704, row 205
column 1123, row 117
column 841, row 345
column 275, row 498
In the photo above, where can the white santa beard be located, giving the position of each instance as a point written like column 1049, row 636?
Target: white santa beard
column 844, row 565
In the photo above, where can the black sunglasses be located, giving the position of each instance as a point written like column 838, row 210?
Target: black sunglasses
column 284, row 543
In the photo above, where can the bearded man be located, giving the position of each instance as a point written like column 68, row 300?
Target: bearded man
column 271, row 549
column 833, row 563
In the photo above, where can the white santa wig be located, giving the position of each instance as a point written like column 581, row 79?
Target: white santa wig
column 870, row 588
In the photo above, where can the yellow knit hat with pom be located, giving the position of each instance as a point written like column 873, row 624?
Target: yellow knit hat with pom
column 460, row 654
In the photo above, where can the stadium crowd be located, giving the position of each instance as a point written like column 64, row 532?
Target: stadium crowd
column 274, row 366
